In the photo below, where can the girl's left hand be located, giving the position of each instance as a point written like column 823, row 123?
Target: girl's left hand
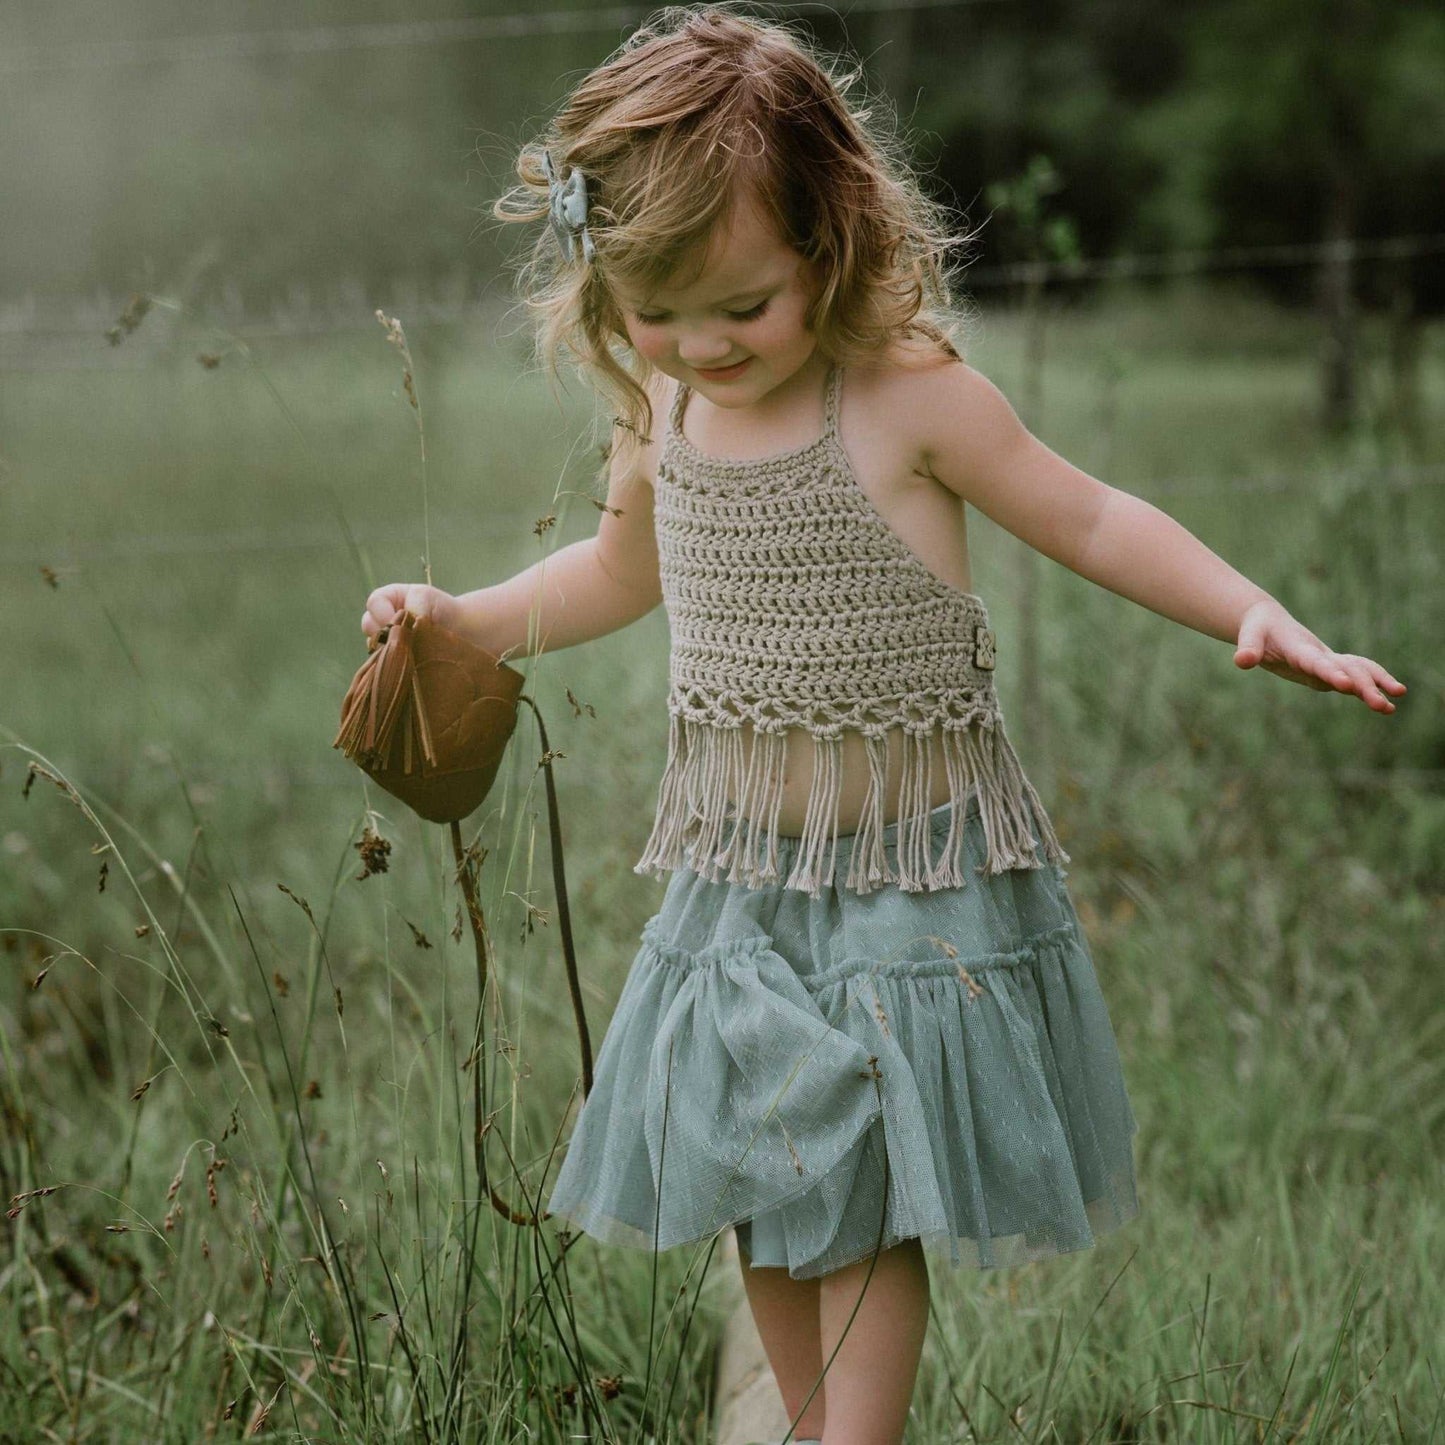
column 1270, row 638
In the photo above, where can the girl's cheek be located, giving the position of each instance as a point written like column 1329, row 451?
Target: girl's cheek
column 649, row 345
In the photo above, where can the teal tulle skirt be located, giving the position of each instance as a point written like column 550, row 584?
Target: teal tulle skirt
column 834, row 1075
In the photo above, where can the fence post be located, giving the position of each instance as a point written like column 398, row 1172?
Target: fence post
column 1338, row 392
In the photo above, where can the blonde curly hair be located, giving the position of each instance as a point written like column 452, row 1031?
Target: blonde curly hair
column 699, row 104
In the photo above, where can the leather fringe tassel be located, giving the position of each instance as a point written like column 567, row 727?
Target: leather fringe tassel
column 384, row 699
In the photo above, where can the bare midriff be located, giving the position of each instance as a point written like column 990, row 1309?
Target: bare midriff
column 853, row 789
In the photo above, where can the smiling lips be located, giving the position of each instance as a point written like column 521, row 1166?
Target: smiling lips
column 725, row 374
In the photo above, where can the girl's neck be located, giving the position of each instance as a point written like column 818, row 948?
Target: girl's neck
column 794, row 405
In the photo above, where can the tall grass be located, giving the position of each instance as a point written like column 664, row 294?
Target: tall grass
column 235, row 1117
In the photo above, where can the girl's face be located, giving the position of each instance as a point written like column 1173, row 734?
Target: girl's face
column 735, row 333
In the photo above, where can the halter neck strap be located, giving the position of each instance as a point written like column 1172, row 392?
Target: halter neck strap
column 832, row 397
column 679, row 400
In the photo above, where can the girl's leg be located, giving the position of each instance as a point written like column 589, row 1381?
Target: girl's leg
column 870, row 1382
column 785, row 1311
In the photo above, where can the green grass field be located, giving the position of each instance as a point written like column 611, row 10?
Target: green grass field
column 255, row 1117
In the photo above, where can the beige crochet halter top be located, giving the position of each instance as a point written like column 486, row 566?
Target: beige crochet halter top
column 792, row 603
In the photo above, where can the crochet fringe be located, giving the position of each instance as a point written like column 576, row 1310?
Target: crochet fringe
column 705, row 768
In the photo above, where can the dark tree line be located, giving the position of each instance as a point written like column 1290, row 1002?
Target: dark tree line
column 1202, row 124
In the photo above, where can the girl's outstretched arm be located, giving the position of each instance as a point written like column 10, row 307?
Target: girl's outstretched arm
column 973, row 442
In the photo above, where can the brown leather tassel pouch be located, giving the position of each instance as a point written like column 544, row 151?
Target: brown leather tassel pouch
column 428, row 717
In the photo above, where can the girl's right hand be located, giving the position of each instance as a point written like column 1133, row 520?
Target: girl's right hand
column 418, row 598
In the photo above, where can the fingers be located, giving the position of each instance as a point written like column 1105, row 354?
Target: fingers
column 384, row 603
column 383, row 607
column 1365, row 678
column 1323, row 670
column 387, row 603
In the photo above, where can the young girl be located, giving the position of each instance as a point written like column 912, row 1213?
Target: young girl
column 865, row 1019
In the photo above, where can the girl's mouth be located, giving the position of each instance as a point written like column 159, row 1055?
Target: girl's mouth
column 725, row 374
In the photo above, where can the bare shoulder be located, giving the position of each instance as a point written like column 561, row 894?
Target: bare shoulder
column 917, row 371
column 960, row 431
column 931, row 398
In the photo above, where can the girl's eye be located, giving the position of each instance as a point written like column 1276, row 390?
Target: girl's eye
column 751, row 314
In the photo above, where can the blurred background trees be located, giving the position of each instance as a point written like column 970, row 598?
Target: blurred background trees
column 260, row 155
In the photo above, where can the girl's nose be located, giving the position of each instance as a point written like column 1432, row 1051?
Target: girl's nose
column 704, row 350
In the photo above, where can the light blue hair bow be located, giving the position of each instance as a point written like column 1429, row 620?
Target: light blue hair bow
column 567, row 210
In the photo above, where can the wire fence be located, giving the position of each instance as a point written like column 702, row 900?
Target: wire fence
column 47, row 335
column 23, row 323
column 1192, row 262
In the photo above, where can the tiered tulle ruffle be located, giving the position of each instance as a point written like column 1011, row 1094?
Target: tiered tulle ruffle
column 769, row 1050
